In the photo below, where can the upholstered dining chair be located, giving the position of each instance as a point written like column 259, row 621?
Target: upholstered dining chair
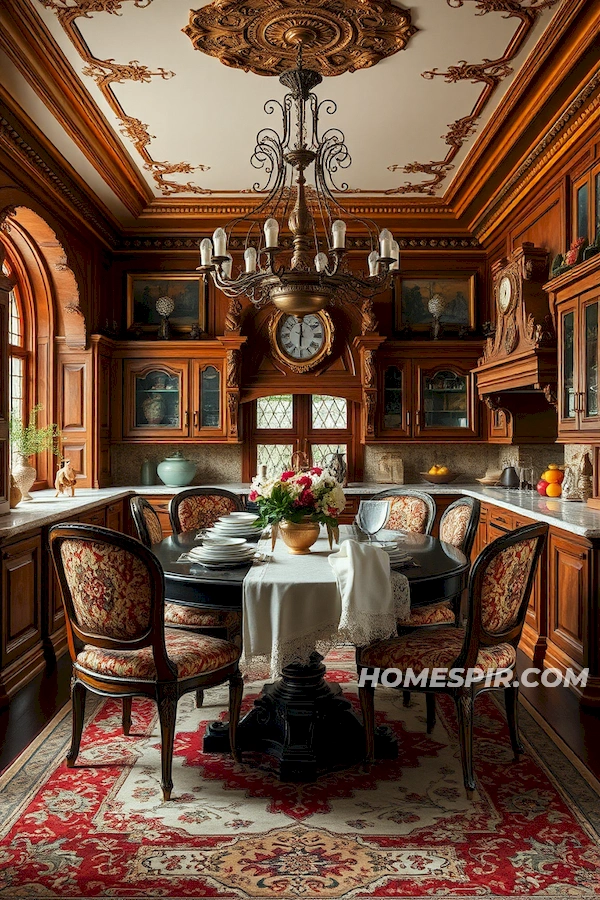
column 458, row 527
column 409, row 510
column 113, row 595
column 218, row 623
column 200, row 507
column 499, row 588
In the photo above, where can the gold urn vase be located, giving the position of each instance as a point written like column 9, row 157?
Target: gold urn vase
column 298, row 536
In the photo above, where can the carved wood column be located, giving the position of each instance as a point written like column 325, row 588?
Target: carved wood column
column 367, row 345
column 6, row 284
column 233, row 342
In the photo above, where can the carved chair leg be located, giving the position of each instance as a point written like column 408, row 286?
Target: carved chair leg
column 405, row 698
column 127, row 715
column 511, row 699
column 78, row 695
column 199, row 698
column 430, row 704
column 367, row 704
column 464, row 712
column 236, row 690
column 166, row 699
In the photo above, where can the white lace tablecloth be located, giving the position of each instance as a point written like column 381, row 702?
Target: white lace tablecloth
column 293, row 606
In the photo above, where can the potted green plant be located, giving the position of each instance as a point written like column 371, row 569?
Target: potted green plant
column 27, row 441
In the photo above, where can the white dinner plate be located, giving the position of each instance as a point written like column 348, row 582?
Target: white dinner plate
column 217, row 541
column 241, row 517
column 229, row 553
column 223, row 565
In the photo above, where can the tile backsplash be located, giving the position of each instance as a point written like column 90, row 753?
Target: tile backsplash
column 217, row 463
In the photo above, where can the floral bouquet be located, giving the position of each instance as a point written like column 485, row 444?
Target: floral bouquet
column 306, row 496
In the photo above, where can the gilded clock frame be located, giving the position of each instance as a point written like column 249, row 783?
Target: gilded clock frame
column 514, row 292
column 295, row 365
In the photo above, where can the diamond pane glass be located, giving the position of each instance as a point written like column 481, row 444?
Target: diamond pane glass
column 322, row 453
column 15, row 325
column 17, row 389
column 276, row 457
column 329, row 412
column 275, row 412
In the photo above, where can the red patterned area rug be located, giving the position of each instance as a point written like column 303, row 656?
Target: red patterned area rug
column 405, row 830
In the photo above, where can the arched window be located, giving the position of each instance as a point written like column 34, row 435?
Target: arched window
column 19, row 354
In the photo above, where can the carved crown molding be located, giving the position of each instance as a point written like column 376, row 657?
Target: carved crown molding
column 153, row 243
column 31, row 161
column 584, row 107
column 337, row 35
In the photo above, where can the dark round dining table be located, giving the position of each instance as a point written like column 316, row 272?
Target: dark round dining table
column 301, row 722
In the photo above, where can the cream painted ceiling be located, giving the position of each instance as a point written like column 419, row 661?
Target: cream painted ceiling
column 206, row 115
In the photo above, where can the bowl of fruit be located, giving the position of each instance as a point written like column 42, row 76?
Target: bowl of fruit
column 439, row 475
column 550, row 482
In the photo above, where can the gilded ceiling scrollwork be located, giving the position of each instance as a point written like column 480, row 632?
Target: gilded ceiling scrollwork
column 107, row 72
column 489, row 72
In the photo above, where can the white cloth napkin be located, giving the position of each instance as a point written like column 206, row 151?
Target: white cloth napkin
column 372, row 597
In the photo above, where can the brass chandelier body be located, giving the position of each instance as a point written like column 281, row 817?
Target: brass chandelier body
column 317, row 273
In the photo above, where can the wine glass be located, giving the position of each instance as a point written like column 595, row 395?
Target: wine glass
column 372, row 516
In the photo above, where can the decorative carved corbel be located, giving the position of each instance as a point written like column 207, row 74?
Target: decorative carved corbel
column 234, row 366
column 370, row 409
column 5, row 214
column 550, row 393
column 234, row 315
column 369, row 321
column 369, row 371
column 233, row 403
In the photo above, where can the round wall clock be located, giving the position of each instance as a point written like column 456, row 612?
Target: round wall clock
column 301, row 343
column 505, row 292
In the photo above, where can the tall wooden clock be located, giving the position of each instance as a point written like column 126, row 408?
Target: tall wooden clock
column 522, row 353
column 523, row 320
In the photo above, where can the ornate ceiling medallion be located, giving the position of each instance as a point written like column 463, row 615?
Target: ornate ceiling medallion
column 337, row 35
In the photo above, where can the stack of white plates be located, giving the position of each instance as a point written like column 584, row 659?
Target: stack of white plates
column 397, row 556
column 236, row 525
column 225, row 553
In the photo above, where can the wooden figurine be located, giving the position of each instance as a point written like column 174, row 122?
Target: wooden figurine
column 65, row 478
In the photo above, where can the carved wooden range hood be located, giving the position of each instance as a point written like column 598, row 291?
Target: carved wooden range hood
column 517, row 375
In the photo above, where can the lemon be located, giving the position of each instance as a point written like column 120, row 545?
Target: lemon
column 443, row 470
column 433, row 471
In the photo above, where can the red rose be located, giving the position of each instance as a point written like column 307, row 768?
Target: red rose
column 316, row 470
column 252, row 496
column 305, row 481
column 306, row 498
column 287, row 475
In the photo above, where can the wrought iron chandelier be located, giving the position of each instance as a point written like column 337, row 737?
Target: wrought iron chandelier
column 317, row 272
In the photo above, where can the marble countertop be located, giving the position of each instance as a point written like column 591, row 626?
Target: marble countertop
column 45, row 509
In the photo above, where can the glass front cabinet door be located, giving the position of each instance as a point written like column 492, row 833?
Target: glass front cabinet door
column 589, row 413
column 445, row 403
column 156, row 402
column 208, row 414
column 569, row 393
column 395, row 414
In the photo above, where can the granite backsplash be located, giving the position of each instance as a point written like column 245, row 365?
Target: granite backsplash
column 217, row 463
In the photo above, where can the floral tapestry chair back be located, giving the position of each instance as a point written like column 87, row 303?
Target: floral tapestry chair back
column 500, row 587
column 146, row 521
column 112, row 589
column 201, row 508
column 409, row 510
column 458, row 525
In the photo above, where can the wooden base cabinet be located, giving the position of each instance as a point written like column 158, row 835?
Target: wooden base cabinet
column 21, row 650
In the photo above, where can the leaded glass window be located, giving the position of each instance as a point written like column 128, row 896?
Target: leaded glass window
column 322, row 453
column 276, row 412
column 329, row 412
column 276, row 457
column 15, row 324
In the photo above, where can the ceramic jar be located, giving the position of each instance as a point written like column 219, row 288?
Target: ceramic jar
column 154, row 409
column 299, row 536
column 15, row 493
column 24, row 476
column 176, row 471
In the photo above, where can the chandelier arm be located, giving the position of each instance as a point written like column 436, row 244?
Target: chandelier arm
column 329, row 107
column 368, row 224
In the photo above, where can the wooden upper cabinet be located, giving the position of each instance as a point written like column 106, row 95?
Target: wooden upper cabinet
column 208, row 415
column 575, row 299
column 445, row 403
column 156, row 398
column 425, row 395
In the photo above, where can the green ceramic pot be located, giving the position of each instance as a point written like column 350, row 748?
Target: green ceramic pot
column 176, row 471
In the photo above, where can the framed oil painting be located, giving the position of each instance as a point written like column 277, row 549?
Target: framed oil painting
column 186, row 290
column 412, row 295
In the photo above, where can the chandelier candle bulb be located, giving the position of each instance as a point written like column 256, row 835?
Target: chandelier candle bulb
column 385, row 244
column 338, row 233
column 373, row 260
column 271, row 230
column 250, row 260
column 220, row 242
column 321, row 262
column 396, row 254
column 205, row 252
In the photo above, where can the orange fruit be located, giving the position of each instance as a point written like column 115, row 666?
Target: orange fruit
column 552, row 476
column 553, row 489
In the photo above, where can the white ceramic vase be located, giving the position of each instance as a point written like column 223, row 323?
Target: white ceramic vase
column 24, row 476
